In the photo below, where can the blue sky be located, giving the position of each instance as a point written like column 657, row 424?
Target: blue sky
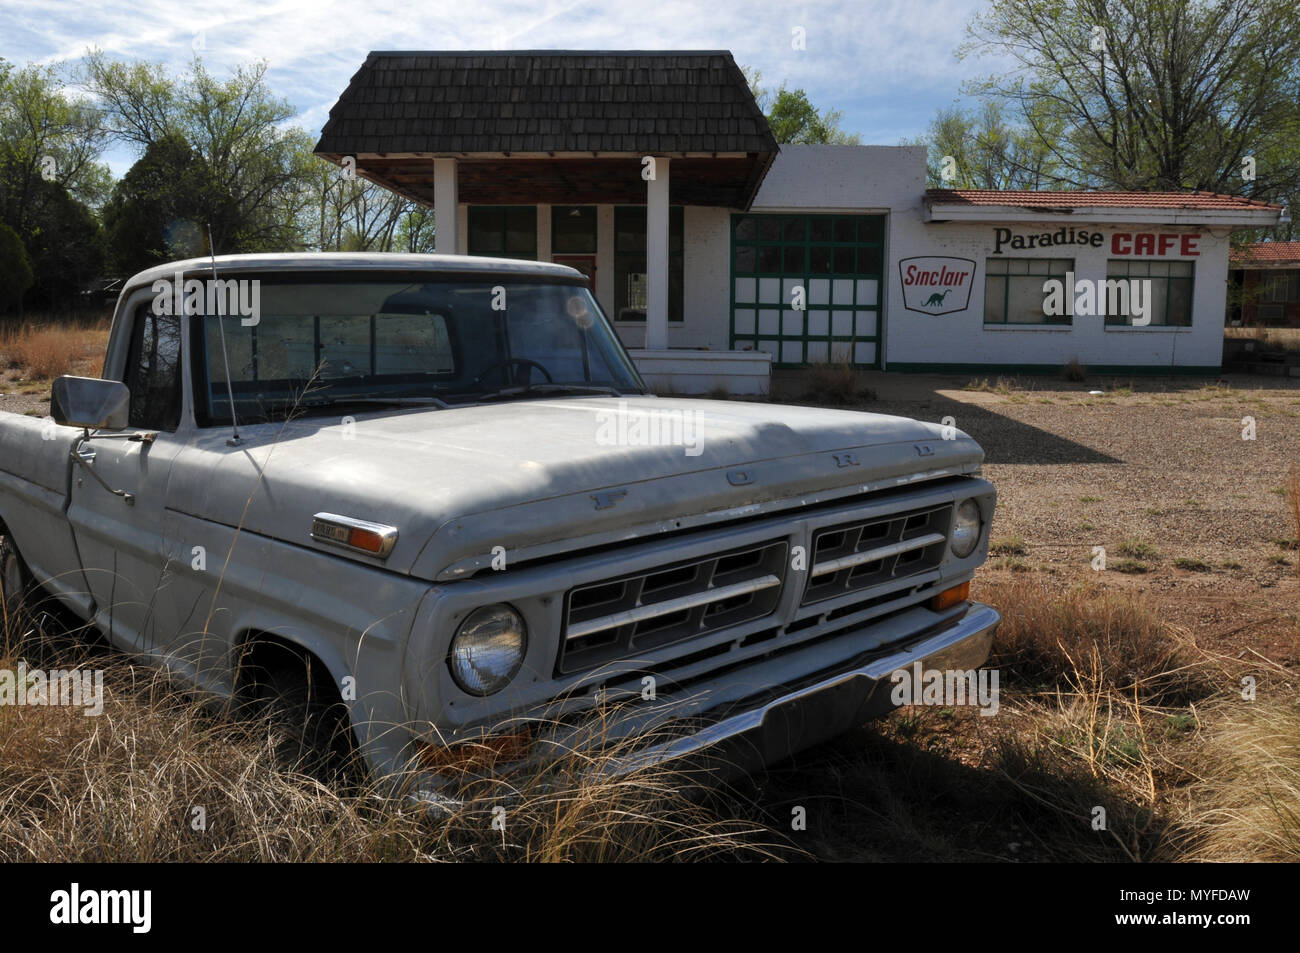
column 886, row 65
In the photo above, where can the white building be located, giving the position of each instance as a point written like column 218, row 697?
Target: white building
column 735, row 255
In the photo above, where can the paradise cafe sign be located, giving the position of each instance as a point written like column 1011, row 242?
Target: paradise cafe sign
column 1123, row 244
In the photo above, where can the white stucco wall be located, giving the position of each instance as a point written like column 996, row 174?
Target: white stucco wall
column 891, row 180
column 963, row 337
column 844, row 178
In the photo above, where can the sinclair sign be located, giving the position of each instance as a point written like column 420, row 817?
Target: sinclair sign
column 936, row 285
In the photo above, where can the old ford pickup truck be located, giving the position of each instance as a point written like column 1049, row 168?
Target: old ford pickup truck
column 436, row 491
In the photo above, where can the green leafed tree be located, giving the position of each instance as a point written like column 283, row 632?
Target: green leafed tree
column 793, row 117
column 1154, row 94
column 162, row 208
column 15, row 270
column 236, row 126
column 980, row 149
column 50, row 181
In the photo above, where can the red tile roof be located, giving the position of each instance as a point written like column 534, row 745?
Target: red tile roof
column 1267, row 251
column 1025, row 199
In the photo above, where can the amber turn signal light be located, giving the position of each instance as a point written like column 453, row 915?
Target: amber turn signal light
column 950, row 597
column 366, row 540
column 481, row 755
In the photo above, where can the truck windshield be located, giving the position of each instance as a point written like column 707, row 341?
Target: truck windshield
column 441, row 339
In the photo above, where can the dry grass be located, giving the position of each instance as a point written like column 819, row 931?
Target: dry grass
column 1054, row 637
column 1074, row 371
column 1005, row 386
column 132, row 784
column 1096, row 696
column 43, row 351
column 1103, row 704
column 840, row 383
column 1293, row 500
column 1271, row 339
column 1245, row 805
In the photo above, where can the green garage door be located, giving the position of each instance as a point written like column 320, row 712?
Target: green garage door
column 835, row 259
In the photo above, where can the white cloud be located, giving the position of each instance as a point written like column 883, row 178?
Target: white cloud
column 886, row 65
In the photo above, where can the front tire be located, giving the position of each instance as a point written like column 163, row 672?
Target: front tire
column 308, row 719
column 16, row 585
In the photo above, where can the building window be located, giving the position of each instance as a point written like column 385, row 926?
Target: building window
column 1281, row 287
column 1013, row 290
column 503, row 231
column 630, row 267
column 1170, row 300
column 573, row 230
column 806, row 288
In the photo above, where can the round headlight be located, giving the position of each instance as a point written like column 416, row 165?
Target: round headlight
column 966, row 529
column 488, row 649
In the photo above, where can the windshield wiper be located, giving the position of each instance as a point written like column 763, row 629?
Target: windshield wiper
column 400, row 401
column 524, row 390
column 395, row 400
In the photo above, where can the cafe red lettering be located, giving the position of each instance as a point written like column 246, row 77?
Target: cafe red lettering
column 1154, row 244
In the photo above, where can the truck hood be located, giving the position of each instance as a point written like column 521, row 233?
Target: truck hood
column 542, row 477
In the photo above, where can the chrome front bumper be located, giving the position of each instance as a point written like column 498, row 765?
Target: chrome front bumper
column 779, row 727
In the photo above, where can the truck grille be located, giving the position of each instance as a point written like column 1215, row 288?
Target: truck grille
column 607, row 620
column 862, row 554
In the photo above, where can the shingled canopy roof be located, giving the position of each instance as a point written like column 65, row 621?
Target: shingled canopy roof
column 554, row 126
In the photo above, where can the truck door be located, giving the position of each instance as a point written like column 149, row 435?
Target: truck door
column 120, row 535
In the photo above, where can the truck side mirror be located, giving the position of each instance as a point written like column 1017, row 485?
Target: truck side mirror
column 90, row 403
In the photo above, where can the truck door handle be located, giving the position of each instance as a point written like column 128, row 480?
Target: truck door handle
column 84, row 456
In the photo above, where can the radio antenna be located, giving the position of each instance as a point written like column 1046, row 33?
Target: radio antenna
column 234, row 440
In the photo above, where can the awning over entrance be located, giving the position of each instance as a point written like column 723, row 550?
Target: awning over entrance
column 558, row 128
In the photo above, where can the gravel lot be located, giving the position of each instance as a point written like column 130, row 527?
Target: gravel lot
column 1159, row 464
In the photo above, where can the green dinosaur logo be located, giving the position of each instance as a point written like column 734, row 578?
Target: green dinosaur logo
column 936, row 299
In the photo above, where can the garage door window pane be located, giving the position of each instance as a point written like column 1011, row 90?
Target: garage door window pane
column 836, row 259
column 868, row 260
